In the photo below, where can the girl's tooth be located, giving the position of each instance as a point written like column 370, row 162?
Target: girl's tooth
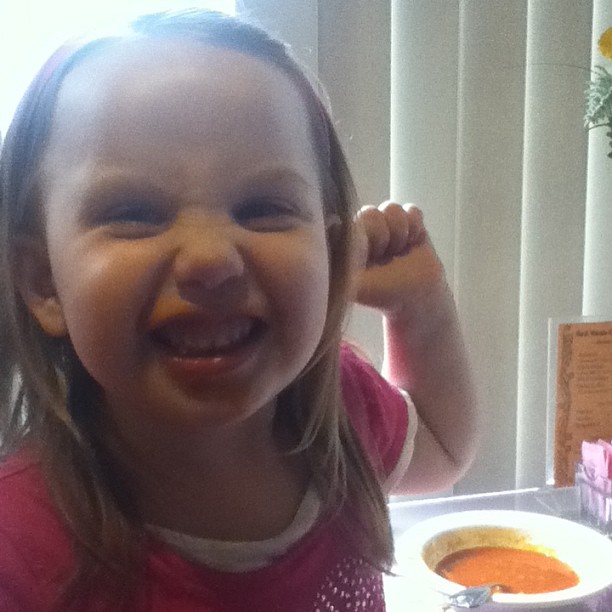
column 205, row 342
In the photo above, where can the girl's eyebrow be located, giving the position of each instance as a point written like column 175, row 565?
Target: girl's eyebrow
column 283, row 175
column 117, row 179
column 109, row 186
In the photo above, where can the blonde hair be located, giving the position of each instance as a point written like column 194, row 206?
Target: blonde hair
column 48, row 398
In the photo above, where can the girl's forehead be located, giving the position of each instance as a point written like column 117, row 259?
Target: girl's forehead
column 134, row 67
column 171, row 88
column 183, row 98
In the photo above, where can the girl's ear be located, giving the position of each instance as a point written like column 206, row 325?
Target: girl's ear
column 34, row 282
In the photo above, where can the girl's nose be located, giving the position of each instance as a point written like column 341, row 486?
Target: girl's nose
column 208, row 258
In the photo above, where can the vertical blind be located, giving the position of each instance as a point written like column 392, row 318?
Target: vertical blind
column 473, row 109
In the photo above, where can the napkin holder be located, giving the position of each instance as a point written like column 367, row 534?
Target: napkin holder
column 595, row 491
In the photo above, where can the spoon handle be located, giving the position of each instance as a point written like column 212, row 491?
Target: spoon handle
column 472, row 597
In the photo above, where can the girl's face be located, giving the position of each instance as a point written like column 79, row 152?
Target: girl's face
column 185, row 231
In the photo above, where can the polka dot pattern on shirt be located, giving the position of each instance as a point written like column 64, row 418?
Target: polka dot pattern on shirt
column 352, row 585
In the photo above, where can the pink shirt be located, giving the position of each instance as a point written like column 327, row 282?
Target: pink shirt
column 317, row 572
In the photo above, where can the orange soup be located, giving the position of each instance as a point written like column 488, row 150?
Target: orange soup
column 519, row 571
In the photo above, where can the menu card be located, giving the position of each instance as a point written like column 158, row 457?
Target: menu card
column 583, row 392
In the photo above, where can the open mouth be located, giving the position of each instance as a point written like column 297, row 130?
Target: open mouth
column 195, row 340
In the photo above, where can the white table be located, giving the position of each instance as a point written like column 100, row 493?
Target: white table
column 402, row 596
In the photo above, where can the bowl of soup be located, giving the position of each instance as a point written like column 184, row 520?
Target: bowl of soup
column 537, row 561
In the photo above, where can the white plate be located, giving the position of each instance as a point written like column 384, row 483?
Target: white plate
column 585, row 550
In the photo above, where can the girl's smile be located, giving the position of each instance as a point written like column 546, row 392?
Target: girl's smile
column 186, row 234
column 194, row 350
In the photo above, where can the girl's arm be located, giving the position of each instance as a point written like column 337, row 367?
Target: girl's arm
column 402, row 277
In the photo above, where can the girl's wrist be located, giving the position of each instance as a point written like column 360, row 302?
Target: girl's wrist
column 424, row 315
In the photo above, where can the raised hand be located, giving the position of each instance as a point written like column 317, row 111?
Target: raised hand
column 399, row 272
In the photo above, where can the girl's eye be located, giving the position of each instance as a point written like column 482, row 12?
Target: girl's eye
column 134, row 217
column 266, row 215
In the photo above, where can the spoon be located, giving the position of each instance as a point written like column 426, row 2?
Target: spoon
column 472, row 597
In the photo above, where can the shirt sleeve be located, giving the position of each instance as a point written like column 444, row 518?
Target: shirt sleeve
column 383, row 417
column 35, row 549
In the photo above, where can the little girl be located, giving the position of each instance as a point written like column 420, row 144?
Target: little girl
column 182, row 427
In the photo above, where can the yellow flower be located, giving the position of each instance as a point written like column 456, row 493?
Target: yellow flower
column 605, row 44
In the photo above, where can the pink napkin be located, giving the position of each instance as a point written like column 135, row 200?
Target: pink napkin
column 597, row 458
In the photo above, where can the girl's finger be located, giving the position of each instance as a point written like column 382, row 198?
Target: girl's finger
column 417, row 225
column 398, row 223
column 376, row 229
